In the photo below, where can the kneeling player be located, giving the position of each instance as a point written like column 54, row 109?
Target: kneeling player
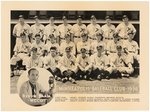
column 68, row 66
column 84, row 65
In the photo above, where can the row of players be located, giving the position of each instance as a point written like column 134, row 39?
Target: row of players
column 86, row 63
column 107, row 31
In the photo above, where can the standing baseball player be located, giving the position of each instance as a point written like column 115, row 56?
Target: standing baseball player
column 124, row 28
column 36, row 28
column 84, row 65
column 78, row 29
column 51, row 29
column 93, row 30
column 63, row 29
column 21, row 27
column 68, row 66
column 108, row 31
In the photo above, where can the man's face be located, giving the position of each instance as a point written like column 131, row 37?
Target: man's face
column 119, row 51
column 65, row 21
column 108, row 21
column 125, row 20
column 52, row 40
column 83, row 52
column 33, row 76
column 53, row 52
column 84, row 38
column 130, row 37
column 34, row 53
column 68, row 39
column 79, row 21
column 100, row 49
column 38, row 39
column 21, row 20
column 37, row 21
column 51, row 21
column 68, row 53
column 93, row 20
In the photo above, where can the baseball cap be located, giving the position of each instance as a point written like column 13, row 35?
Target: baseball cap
column 22, row 34
column 93, row 17
column 51, row 18
column 36, row 17
column 119, row 46
column 79, row 17
column 21, row 16
column 100, row 45
column 83, row 34
column 37, row 35
column 64, row 17
column 124, row 16
column 107, row 17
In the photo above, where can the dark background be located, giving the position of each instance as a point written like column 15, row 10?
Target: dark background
column 72, row 15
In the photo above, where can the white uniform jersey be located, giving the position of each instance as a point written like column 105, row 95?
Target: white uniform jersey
column 37, row 62
column 37, row 29
column 98, row 61
column 51, row 29
column 64, row 45
column 123, row 29
column 51, row 62
column 18, row 29
column 22, row 47
column 39, row 47
column 93, row 30
column 108, row 31
column 63, row 30
column 84, row 63
column 68, row 63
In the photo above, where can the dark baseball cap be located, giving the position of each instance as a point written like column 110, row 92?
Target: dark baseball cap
column 83, row 50
column 68, row 49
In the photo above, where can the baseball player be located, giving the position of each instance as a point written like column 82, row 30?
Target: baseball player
column 34, row 60
column 68, row 66
column 123, row 62
column 94, row 44
column 21, row 53
column 63, row 29
column 51, row 63
column 51, row 42
column 66, row 44
column 93, row 29
column 124, row 28
column 84, row 65
column 84, row 43
column 78, row 29
column 21, row 27
column 38, row 44
column 36, row 28
column 108, row 31
column 51, row 29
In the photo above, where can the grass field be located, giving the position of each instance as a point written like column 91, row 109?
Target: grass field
column 112, row 86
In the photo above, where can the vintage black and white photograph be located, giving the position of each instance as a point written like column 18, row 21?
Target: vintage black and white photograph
column 95, row 51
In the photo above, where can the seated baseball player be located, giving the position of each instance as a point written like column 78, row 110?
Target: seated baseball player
column 51, row 63
column 84, row 65
column 68, row 66
column 38, row 44
column 34, row 60
column 123, row 62
column 31, row 89
column 84, row 43
column 21, row 53
column 67, row 43
column 98, row 62
column 51, row 42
